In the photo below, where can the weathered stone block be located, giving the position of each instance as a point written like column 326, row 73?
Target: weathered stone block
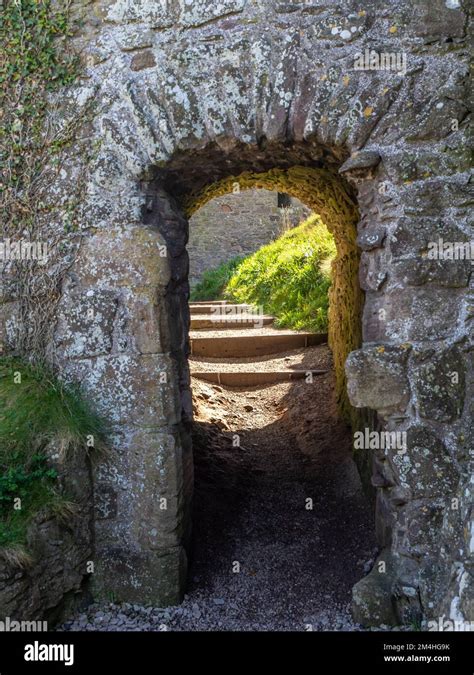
column 145, row 324
column 130, row 39
column 421, row 313
column 105, row 502
column 425, row 468
column 143, row 59
column 361, row 162
column 419, row 270
column 434, row 122
column 196, row 12
column 374, row 318
column 130, row 389
column 439, row 383
column 439, row 19
column 133, row 257
column 377, row 378
column 419, row 527
column 438, row 196
column 86, row 323
column 406, row 591
column 410, row 244
column 153, row 14
column 372, row 270
column 134, row 575
column 371, row 238
column 162, row 470
column 372, row 597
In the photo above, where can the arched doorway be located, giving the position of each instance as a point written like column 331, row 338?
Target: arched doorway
column 274, row 478
column 213, row 97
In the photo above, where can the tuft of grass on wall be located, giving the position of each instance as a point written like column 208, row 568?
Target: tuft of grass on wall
column 213, row 282
column 37, row 410
column 290, row 277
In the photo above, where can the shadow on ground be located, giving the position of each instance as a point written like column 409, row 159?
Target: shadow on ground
column 282, row 528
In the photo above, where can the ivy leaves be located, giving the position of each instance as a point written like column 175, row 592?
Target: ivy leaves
column 29, row 32
column 33, row 62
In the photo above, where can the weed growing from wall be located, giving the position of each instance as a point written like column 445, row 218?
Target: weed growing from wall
column 42, row 423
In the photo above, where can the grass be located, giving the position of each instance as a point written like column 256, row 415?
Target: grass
column 289, row 278
column 213, row 282
column 37, row 411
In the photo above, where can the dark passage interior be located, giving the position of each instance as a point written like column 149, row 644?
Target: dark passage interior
column 282, row 528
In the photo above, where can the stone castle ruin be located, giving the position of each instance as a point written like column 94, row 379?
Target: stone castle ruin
column 175, row 103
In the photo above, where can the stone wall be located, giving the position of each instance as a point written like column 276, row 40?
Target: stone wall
column 176, row 97
column 237, row 225
column 60, row 553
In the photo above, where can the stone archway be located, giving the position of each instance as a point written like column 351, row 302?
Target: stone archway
column 173, row 192
column 169, row 88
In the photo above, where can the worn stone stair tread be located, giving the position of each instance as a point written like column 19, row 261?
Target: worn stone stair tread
column 252, row 345
column 253, row 377
column 235, row 332
column 211, row 322
column 211, row 308
column 204, row 303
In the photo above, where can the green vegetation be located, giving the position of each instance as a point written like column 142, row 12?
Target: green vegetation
column 36, row 410
column 213, row 282
column 289, row 277
column 37, row 59
column 33, row 62
column 26, row 488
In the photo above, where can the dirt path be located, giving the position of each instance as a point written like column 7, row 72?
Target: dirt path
column 261, row 559
column 297, row 564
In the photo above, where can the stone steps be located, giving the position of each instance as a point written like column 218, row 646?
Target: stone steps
column 213, row 307
column 222, row 330
column 253, row 345
column 231, row 321
column 253, row 378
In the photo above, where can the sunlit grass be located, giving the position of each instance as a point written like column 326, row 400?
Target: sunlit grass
column 214, row 281
column 290, row 277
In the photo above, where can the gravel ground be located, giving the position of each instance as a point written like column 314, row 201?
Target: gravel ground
column 200, row 613
column 262, row 560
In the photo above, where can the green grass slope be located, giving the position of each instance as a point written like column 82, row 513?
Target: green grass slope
column 289, row 278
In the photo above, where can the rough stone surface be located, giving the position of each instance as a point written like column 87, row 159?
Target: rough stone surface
column 378, row 378
column 440, row 383
column 372, row 596
column 182, row 96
